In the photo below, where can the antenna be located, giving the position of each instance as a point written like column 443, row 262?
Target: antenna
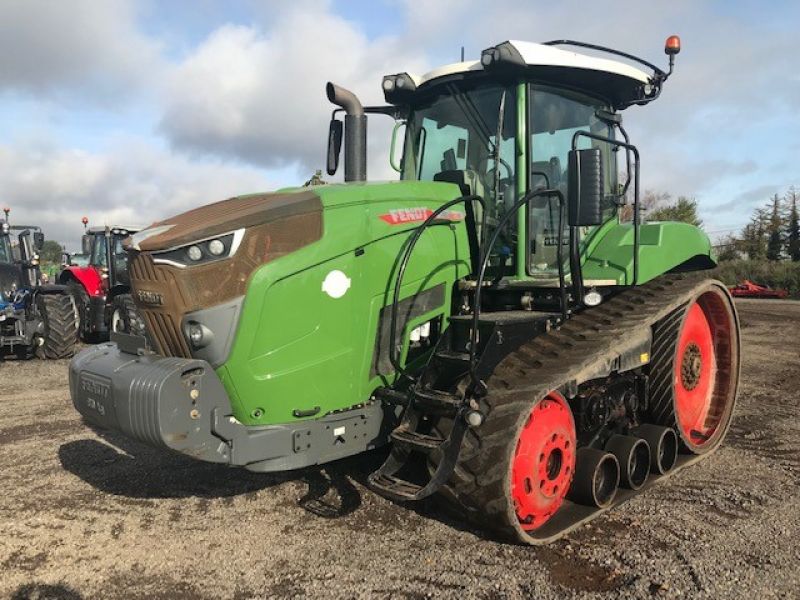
column 462, row 53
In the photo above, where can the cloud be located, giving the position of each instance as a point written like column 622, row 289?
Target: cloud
column 78, row 49
column 258, row 94
column 132, row 182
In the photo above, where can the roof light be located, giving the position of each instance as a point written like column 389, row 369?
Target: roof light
column 396, row 88
column 504, row 57
column 673, row 45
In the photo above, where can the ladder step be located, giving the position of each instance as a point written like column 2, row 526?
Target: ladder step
column 414, row 440
column 394, row 487
column 453, row 356
column 436, row 401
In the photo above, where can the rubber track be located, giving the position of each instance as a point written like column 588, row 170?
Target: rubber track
column 478, row 489
column 60, row 327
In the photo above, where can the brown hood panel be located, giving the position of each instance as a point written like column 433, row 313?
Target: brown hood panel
column 228, row 215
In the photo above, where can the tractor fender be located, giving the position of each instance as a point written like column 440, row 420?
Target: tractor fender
column 88, row 277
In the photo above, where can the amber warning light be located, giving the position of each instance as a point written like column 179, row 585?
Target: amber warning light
column 673, row 45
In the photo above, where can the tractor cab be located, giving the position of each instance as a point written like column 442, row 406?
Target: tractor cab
column 534, row 130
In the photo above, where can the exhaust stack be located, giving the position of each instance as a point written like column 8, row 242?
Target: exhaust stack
column 355, row 132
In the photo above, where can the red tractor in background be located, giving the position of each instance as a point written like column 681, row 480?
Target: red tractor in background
column 101, row 289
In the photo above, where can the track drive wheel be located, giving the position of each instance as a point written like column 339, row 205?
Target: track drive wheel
column 516, row 469
column 695, row 369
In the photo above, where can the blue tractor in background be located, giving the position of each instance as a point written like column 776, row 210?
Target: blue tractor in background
column 35, row 318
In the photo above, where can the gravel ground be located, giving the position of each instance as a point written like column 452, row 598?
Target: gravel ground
column 88, row 515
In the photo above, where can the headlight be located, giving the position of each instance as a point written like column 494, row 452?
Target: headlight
column 216, row 247
column 194, row 253
column 202, row 251
column 199, row 335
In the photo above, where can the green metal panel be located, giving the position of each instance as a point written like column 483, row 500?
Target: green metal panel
column 297, row 347
column 663, row 246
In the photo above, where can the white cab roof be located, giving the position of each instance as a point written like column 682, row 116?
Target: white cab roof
column 544, row 56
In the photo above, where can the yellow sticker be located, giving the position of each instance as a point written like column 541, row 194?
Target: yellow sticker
column 644, row 357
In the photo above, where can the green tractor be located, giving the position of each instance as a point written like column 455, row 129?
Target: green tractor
column 532, row 357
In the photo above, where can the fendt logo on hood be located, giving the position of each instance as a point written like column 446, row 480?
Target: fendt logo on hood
column 148, row 297
column 399, row 216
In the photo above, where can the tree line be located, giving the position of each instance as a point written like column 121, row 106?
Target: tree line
column 773, row 232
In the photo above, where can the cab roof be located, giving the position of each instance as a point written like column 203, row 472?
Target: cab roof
column 620, row 83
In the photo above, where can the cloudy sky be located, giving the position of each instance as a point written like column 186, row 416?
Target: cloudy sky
column 129, row 111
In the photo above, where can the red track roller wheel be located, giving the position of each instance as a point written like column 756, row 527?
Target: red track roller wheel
column 695, row 370
column 544, row 461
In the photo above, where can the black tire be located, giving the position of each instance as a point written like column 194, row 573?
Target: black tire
column 125, row 317
column 59, row 318
column 81, row 299
column 718, row 307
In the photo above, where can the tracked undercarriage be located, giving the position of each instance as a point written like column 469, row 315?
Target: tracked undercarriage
column 622, row 394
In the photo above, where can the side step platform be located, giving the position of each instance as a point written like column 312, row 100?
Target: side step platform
column 406, row 440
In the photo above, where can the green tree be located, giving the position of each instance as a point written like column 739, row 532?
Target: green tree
column 685, row 210
column 793, row 230
column 51, row 252
column 775, row 243
column 754, row 241
column 728, row 248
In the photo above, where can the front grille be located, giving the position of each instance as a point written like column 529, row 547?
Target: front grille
column 163, row 321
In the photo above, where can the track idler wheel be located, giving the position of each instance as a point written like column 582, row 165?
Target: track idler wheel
column 663, row 446
column 596, row 478
column 694, row 371
column 633, row 456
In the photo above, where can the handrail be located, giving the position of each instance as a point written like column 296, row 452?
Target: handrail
column 395, row 360
column 656, row 71
column 476, row 309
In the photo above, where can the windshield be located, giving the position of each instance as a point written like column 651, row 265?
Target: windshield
column 5, row 250
column 100, row 258
column 452, row 134
column 555, row 117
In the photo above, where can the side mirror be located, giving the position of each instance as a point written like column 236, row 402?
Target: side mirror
column 86, row 244
column 38, row 240
column 396, row 164
column 585, row 171
column 334, row 145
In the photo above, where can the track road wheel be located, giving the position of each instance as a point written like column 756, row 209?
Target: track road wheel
column 60, row 334
column 515, row 469
column 695, row 369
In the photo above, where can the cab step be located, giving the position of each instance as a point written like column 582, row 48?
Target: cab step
column 413, row 440
column 432, row 401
